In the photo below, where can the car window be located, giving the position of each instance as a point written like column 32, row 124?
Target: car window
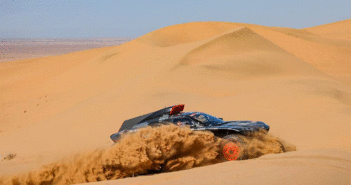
column 182, row 121
column 201, row 117
column 206, row 119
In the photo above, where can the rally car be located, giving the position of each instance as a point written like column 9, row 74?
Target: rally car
column 197, row 121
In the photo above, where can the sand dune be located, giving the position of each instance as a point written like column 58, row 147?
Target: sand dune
column 244, row 53
column 297, row 81
column 336, row 30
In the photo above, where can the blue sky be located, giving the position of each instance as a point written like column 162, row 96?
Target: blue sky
column 133, row 18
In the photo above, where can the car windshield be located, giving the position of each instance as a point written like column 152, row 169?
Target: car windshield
column 206, row 118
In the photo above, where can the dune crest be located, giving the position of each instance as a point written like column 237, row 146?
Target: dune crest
column 337, row 30
column 245, row 54
column 186, row 33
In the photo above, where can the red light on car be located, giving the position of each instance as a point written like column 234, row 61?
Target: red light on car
column 177, row 109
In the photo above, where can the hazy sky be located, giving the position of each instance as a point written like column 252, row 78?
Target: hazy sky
column 133, row 18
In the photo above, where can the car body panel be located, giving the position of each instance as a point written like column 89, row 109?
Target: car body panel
column 197, row 121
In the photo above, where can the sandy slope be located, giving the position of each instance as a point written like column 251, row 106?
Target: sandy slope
column 297, row 81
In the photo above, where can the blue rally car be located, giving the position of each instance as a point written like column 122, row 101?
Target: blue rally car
column 197, row 121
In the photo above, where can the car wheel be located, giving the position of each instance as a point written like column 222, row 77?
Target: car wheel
column 231, row 148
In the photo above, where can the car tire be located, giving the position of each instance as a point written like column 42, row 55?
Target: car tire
column 232, row 148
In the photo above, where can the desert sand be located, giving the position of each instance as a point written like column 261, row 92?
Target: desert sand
column 296, row 80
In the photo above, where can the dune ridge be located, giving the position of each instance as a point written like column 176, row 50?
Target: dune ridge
column 242, row 51
column 337, row 30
